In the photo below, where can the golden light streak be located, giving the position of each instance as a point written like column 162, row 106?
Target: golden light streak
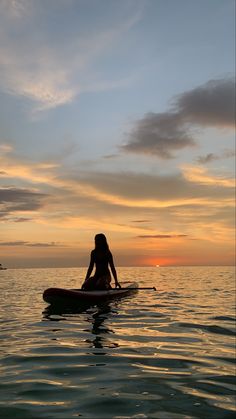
column 149, row 203
column 33, row 174
column 200, row 175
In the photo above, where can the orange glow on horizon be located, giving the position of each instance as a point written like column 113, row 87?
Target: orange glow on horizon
column 154, row 262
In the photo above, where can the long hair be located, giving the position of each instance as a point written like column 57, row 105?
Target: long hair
column 101, row 242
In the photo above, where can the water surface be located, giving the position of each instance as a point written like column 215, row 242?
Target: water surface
column 165, row 354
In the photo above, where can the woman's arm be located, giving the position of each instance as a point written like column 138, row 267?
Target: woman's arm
column 91, row 265
column 113, row 270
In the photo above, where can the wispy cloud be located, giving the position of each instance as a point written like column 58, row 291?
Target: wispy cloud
column 28, row 244
column 162, row 236
column 49, row 73
column 210, row 157
column 16, row 9
column 22, row 220
column 5, row 148
column 161, row 134
column 201, row 176
column 140, row 221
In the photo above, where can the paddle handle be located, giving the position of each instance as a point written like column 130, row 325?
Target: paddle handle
column 144, row 288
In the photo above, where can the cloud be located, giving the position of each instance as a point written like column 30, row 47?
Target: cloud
column 201, row 176
column 49, row 69
column 140, row 221
column 139, row 189
column 212, row 104
column 51, row 244
column 210, row 157
column 161, row 134
column 14, row 167
column 21, row 220
column 207, row 158
column 13, row 200
column 5, row 148
column 27, row 199
column 16, row 9
column 28, row 244
column 162, row 236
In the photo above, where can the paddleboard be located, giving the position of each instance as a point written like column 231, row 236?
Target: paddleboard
column 78, row 296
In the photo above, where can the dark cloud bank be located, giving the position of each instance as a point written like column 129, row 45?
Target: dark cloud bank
column 19, row 199
column 161, row 134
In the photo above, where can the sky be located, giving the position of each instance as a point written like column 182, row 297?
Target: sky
column 117, row 117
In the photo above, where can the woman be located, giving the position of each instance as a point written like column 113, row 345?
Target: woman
column 102, row 258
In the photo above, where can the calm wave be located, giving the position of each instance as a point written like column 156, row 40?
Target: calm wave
column 164, row 354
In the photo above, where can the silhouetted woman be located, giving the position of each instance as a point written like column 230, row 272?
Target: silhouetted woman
column 102, row 258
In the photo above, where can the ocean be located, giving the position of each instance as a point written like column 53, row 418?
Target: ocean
column 166, row 354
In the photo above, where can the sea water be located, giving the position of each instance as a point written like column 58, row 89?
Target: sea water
column 165, row 354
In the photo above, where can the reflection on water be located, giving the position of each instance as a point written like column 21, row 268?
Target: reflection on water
column 168, row 354
column 96, row 318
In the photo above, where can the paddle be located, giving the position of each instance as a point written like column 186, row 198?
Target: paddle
column 135, row 288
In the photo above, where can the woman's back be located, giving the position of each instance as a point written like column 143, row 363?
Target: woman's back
column 101, row 260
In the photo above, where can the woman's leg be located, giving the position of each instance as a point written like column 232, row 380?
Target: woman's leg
column 89, row 284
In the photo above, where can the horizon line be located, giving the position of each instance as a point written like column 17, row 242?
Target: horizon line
column 119, row 266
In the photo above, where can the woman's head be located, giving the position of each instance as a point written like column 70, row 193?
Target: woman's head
column 101, row 242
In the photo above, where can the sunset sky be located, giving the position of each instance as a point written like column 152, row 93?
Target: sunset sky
column 117, row 117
